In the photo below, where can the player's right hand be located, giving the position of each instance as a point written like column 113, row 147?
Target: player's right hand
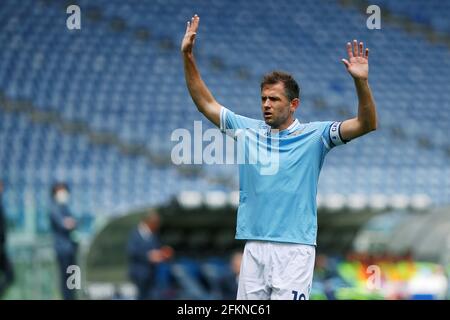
column 189, row 36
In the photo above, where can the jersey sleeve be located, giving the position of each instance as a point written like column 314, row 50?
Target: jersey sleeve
column 231, row 121
column 331, row 134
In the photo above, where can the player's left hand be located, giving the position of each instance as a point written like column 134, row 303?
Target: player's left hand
column 358, row 60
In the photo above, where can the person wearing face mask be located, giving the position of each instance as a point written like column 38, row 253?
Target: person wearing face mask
column 63, row 225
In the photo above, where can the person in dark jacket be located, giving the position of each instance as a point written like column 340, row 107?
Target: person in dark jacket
column 63, row 225
column 229, row 280
column 145, row 254
column 6, row 270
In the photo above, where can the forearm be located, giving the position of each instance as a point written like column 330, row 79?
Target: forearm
column 367, row 115
column 198, row 90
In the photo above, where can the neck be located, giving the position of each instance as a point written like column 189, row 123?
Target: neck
column 285, row 125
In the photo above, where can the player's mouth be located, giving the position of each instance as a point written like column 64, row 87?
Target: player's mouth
column 267, row 115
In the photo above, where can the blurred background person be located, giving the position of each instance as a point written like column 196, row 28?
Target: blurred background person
column 6, row 270
column 145, row 255
column 229, row 282
column 63, row 226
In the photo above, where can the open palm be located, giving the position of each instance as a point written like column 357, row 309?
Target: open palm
column 189, row 36
column 358, row 60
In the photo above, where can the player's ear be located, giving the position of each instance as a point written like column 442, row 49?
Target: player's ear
column 294, row 104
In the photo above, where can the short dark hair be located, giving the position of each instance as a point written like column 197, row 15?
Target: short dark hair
column 291, row 87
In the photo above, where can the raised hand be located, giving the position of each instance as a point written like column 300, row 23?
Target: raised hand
column 358, row 60
column 189, row 36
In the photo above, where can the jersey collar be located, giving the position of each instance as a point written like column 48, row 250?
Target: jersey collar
column 296, row 125
column 293, row 127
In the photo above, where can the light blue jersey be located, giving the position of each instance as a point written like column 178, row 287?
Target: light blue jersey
column 281, row 205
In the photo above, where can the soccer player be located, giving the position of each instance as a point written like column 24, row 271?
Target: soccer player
column 277, row 213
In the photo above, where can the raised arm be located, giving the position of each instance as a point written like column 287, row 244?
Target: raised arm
column 200, row 93
column 358, row 67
